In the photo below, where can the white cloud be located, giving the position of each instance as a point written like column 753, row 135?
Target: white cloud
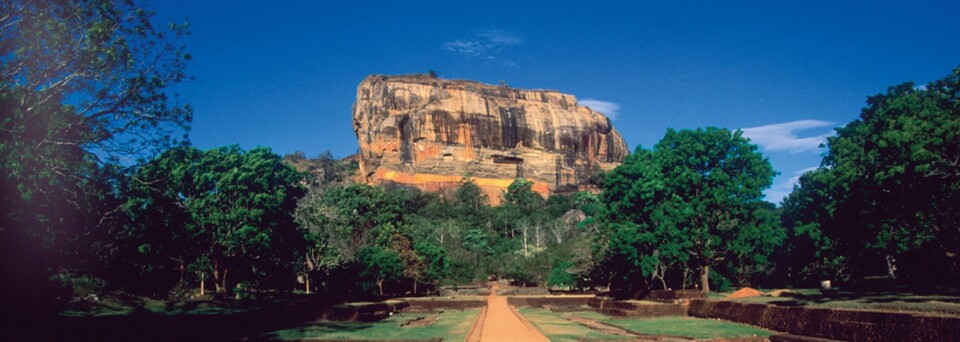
column 500, row 37
column 610, row 109
column 778, row 192
column 465, row 47
column 483, row 43
column 783, row 136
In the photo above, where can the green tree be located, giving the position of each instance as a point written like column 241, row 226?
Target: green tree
column 520, row 194
column 340, row 221
column 232, row 208
column 436, row 265
column 382, row 265
column 752, row 249
column 692, row 192
column 892, row 182
column 810, row 255
column 82, row 84
column 470, row 196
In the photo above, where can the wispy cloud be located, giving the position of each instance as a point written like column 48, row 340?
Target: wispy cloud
column 484, row 44
column 779, row 191
column 783, row 136
column 610, row 109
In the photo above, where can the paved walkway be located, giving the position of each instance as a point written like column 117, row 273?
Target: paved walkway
column 503, row 323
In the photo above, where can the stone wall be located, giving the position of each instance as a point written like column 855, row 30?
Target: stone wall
column 838, row 324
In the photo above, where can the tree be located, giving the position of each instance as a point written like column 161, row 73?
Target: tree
column 328, row 242
column 82, row 85
column 891, row 179
column 560, row 277
column 338, row 222
column 382, row 265
column 811, row 254
column 520, row 194
column 436, row 266
column 106, row 61
column 754, row 245
column 693, row 192
column 470, row 196
column 232, row 208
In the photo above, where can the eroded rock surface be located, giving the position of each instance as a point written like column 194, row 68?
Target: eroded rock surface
column 429, row 133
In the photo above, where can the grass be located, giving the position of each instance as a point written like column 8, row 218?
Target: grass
column 447, row 299
column 681, row 326
column 886, row 301
column 452, row 326
column 556, row 328
column 131, row 305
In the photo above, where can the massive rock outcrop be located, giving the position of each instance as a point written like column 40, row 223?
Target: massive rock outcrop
column 429, row 133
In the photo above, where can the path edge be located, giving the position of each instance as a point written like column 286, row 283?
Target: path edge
column 477, row 329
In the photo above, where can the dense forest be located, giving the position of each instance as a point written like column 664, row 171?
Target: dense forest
column 101, row 191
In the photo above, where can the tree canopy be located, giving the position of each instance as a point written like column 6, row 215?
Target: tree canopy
column 83, row 92
column 216, row 211
column 888, row 191
column 687, row 202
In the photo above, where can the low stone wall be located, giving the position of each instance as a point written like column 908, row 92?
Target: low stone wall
column 549, row 301
column 523, row 291
column 839, row 324
column 636, row 309
column 675, row 296
column 439, row 304
column 464, row 291
column 361, row 312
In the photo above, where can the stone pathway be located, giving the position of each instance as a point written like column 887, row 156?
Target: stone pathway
column 503, row 323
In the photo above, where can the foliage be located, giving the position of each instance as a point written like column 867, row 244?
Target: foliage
column 382, row 265
column 226, row 208
column 82, row 85
column 469, row 195
column 324, row 170
column 687, row 202
column 810, row 255
column 890, row 185
column 520, row 194
column 560, row 277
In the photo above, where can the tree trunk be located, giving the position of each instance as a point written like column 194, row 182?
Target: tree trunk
column 705, row 278
column 202, row 289
column 524, row 239
column 223, row 281
column 380, row 286
column 891, row 267
column 216, row 276
column 182, row 270
column 414, row 287
column 306, row 278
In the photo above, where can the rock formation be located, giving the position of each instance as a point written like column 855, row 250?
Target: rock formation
column 421, row 131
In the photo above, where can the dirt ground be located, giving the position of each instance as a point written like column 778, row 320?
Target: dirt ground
column 503, row 323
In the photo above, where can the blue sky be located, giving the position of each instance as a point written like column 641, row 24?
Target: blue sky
column 284, row 74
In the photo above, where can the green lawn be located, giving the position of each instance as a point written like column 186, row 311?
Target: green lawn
column 452, row 326
column 889, row 301
column 556, row 328
column 141, row 305
column 681, row 326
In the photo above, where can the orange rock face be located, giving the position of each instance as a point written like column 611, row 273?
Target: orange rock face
column 430, row 133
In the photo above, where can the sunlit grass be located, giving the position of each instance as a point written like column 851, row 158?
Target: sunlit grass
column 889, row 301
column 681, row 326
column 556, row 328
column 452, row 326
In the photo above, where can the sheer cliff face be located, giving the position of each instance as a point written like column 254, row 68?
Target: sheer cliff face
column 430, row 133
